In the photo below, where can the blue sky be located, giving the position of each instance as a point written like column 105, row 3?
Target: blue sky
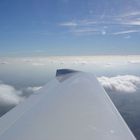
column 69, row 27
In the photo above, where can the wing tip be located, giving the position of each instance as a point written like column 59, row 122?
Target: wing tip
column 62, row 72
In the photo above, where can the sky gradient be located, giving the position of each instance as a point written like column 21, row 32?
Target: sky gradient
column 69, row 27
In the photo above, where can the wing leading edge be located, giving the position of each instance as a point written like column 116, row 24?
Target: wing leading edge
column 73, row 106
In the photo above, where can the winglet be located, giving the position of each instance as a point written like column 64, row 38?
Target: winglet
column 61, row 72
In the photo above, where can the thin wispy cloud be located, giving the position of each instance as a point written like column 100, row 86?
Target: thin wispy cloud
column 134, row 62
column 33, row 89
column 134, row 22
column 69, row 24
column 131, row 14
column 126, row 32
column 84, row 27
column 80, row 22
column 4, row 62
column 38, row 64
column 130, row 22
column 85, row 30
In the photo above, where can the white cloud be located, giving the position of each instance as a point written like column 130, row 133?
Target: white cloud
column 130, row 18
column 9, row 95
column 84, row 30
column 27, row 60
column 132, row 13
column 132, row 22
column 134, row 61
column 84, row 27
column 126, row 83
column 83, row 62
column 38, row 64
column 69, row 24
column 135, row 22
column 3, row 62
column 126, row 32
column 33, row 89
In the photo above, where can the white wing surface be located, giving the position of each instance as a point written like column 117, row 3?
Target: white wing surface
column 73, row 106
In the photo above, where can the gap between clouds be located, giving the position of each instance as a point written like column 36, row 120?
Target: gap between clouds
column 121, row 83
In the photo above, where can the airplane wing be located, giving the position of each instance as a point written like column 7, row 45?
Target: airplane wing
column 73, row 106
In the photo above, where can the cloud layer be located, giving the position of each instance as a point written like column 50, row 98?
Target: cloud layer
column 125, row 83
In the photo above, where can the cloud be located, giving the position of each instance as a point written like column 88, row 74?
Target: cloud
column 126, row 32
column 26, row 92
column 4, row 63
column 27, row 60
column 131, row 18
column 84, row 27
column 126, row 83
column 10, row 97
column 78, row 22
column 132, row 13
column 85, row 30
column 132, row 22
column 69, row 24
column 33, row 89
column 129, row 21
column 38, row 64
column 134, row 61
